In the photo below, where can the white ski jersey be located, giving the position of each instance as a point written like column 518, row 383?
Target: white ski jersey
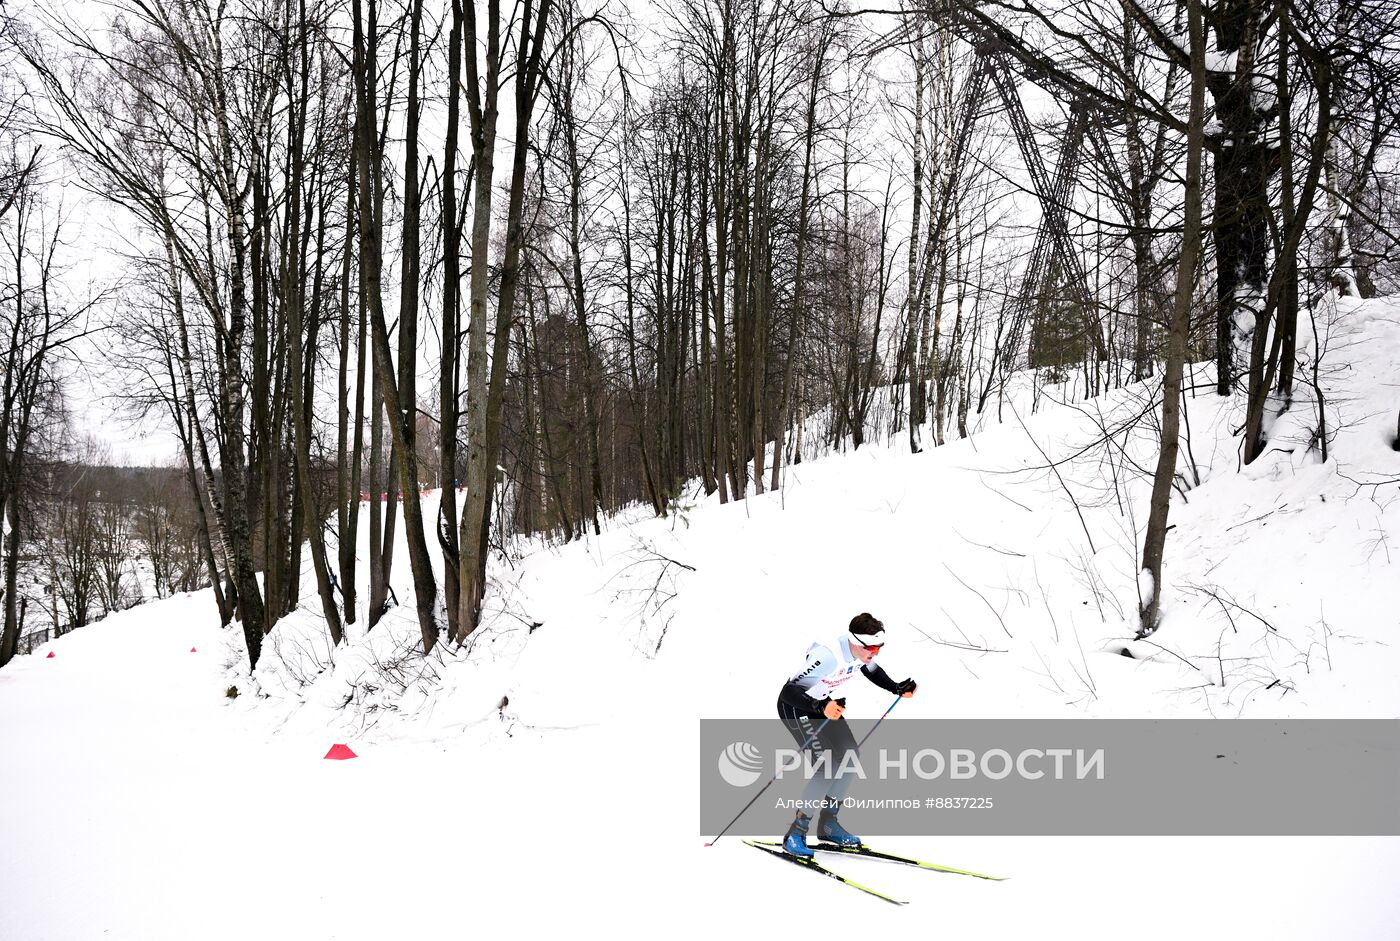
column 826, row 668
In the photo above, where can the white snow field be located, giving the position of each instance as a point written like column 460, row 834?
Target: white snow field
column 138, row 801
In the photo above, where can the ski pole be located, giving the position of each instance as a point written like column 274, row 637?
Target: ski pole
column 877, row 722
column 731, row 823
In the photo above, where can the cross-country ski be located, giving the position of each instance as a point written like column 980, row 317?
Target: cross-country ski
column 865, row 852
column 814, row 866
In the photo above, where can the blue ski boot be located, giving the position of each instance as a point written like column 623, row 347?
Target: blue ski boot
column 795, row 840
column 830, row 830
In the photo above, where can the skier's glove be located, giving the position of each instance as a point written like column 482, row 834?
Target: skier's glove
column 906, row 688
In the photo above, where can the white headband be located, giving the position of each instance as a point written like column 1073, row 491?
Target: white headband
column 867, row 640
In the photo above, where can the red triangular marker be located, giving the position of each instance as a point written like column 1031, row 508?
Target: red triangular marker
column 340, row 752
column 192, row 650
column 50, row 656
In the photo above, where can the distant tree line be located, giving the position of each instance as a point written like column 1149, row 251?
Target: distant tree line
column 97, row 539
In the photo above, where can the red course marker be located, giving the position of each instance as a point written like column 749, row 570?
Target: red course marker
column 340, row 753
column 50, row 656
column 192, row 650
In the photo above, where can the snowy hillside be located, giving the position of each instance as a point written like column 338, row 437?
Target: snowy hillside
column 545, row 776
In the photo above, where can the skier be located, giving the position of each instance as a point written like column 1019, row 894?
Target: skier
column 808, row 697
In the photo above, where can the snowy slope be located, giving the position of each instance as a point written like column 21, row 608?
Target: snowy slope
column 137, row 801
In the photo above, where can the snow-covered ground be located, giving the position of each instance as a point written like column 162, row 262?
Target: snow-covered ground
column 543, row 781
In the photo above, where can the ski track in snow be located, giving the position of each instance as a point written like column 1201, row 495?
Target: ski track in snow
column 138, row 802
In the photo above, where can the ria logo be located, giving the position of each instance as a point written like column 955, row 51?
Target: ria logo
column 740, row 764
